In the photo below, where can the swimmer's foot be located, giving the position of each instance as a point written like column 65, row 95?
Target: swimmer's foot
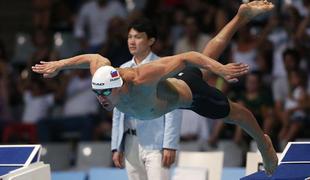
column 269, row 156
column 248, row 11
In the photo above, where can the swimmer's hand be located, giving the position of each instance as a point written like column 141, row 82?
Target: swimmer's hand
column 231, row 71
column 48, row 69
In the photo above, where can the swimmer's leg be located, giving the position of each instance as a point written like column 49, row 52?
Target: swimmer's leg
column 241, row 116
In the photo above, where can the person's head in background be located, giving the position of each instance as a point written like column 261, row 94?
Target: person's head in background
column 297, row 78
column 291, row 59
column 306, row 3
column 41, row 38
column 192, row 30
column 264, row 61
column 142, row 35
column 253, row 82
column 36, row 85
column 102, row 3
column 117, row 29
column 290, row 18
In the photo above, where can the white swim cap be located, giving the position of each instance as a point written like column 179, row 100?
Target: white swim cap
column 106, row 77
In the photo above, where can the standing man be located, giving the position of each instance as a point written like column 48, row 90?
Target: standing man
column 149, row 147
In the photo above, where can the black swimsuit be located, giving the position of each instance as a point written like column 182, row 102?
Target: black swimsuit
column 207, row 100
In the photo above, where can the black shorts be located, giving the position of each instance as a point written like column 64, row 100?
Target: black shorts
column 207, row 100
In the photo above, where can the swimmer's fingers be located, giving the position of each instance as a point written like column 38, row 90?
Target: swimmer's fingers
column 233, row 70
column 236, row 69
column 231, row 79
column 48, row 69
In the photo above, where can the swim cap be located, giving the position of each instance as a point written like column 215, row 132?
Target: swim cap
column 106, row 77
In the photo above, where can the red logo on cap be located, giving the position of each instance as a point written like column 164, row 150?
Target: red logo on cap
column 114, row 74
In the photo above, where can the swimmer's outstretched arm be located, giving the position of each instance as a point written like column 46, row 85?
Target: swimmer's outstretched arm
column 86, row 61
column 246, row 12
column 169, row 66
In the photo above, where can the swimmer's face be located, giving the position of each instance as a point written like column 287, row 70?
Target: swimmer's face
column 138, row 42
column 107, row 98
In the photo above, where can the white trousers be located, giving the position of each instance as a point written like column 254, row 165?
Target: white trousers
column 142, row 164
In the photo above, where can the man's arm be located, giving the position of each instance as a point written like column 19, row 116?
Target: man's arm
column 85, row 61
column 116, row 146
column 172, row 129
column 115, row 130
column 169, row 66
column 246, row 12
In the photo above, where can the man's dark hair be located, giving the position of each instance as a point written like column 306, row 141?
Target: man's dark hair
column 144, row 25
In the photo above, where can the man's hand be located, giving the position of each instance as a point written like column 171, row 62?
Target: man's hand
column 48, row 69
column 168, row 157
column 248, row 11
column 118, row 159
column 231, row 71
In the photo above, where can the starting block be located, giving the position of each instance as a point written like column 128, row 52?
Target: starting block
column 21, row 162
column 294, row 164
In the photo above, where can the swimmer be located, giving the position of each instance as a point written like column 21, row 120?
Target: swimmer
column 174, row 82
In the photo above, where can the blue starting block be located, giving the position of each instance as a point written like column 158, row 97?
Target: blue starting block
column 22, row 162
column 294, row 164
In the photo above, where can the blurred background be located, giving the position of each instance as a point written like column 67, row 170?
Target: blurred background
column 63, row 114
